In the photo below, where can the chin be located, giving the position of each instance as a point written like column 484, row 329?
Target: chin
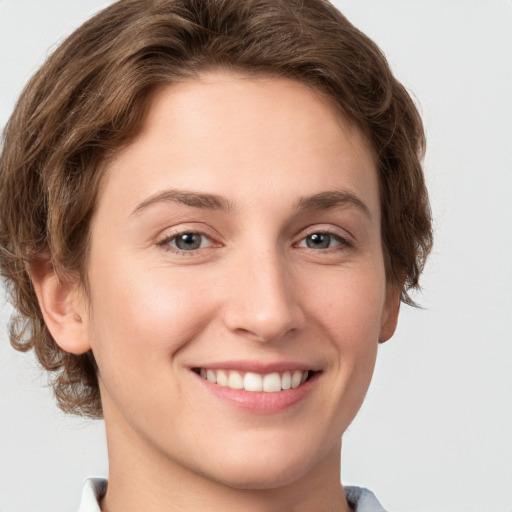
column 251, row 477
column 266, row 469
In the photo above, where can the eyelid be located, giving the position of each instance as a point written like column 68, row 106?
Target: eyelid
column 166, row 241
column 340, row 245
column 182, row 229
column 338, row 232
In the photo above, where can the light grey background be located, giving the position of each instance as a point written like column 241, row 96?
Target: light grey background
column 435, row 433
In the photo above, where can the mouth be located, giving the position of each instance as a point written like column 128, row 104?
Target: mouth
column 256, row 382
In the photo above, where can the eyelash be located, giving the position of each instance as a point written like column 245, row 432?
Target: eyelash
column 343, row 243
column 167, row 242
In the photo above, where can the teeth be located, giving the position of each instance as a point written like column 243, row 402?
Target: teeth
column 286, row 381
column 272, row 383
column 235, row 380
column 253, row 382
column 296, row 379
column 222, row 378
column 250, row 381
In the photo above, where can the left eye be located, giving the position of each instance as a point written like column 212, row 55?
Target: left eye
column 320, row 241
column 187, row 241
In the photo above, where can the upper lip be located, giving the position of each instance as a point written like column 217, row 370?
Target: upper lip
column 258, row 366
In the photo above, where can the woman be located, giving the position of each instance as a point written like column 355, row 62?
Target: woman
column 210, row 212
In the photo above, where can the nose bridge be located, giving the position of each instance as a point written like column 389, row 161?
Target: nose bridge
column 263, row 302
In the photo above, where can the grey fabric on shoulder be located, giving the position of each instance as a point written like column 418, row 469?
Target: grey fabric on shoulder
column 362, row 500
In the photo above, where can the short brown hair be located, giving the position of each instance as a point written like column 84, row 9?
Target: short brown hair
column 89, row 100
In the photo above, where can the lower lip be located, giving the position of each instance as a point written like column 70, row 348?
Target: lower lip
column 259, row 401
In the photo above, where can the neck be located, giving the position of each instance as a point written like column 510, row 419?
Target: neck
column 142, row 478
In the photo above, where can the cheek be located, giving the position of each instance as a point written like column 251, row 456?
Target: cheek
column 349, row 303
column 141, row 319
column 345, row 311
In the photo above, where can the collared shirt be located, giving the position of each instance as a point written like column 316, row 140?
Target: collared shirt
column 361, row 500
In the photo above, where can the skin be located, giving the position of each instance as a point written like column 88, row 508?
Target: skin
column 254, row 290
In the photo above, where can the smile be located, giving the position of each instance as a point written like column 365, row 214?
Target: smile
column 256, row 382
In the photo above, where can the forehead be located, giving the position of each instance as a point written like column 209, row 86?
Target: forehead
column 256, row 106
column 229, row 133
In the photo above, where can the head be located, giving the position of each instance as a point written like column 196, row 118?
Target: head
column 93, row 102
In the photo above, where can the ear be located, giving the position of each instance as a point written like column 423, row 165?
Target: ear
column 62, row 306
column 390, row 312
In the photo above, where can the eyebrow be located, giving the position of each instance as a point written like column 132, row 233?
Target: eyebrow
column 331, row 199
column 193, row 199
column 320, row 201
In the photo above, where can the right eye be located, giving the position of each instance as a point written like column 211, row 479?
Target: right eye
column 186, row 242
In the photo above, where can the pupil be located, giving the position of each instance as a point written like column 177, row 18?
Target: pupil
column 188, row 241
column 317, row 240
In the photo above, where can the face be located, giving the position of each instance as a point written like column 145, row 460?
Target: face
column 237, row 285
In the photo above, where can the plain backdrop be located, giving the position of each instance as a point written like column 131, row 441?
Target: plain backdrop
column 435, row 432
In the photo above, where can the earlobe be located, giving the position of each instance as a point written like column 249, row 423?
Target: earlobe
column 62, row 307
column 390, row 314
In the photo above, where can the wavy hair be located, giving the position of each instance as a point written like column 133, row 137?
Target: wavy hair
column 90, row 98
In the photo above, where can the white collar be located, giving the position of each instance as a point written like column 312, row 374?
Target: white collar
column 92, row 492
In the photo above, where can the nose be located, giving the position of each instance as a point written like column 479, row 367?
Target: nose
column 263, row 304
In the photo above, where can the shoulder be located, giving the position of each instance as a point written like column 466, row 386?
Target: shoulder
column 362, row 500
